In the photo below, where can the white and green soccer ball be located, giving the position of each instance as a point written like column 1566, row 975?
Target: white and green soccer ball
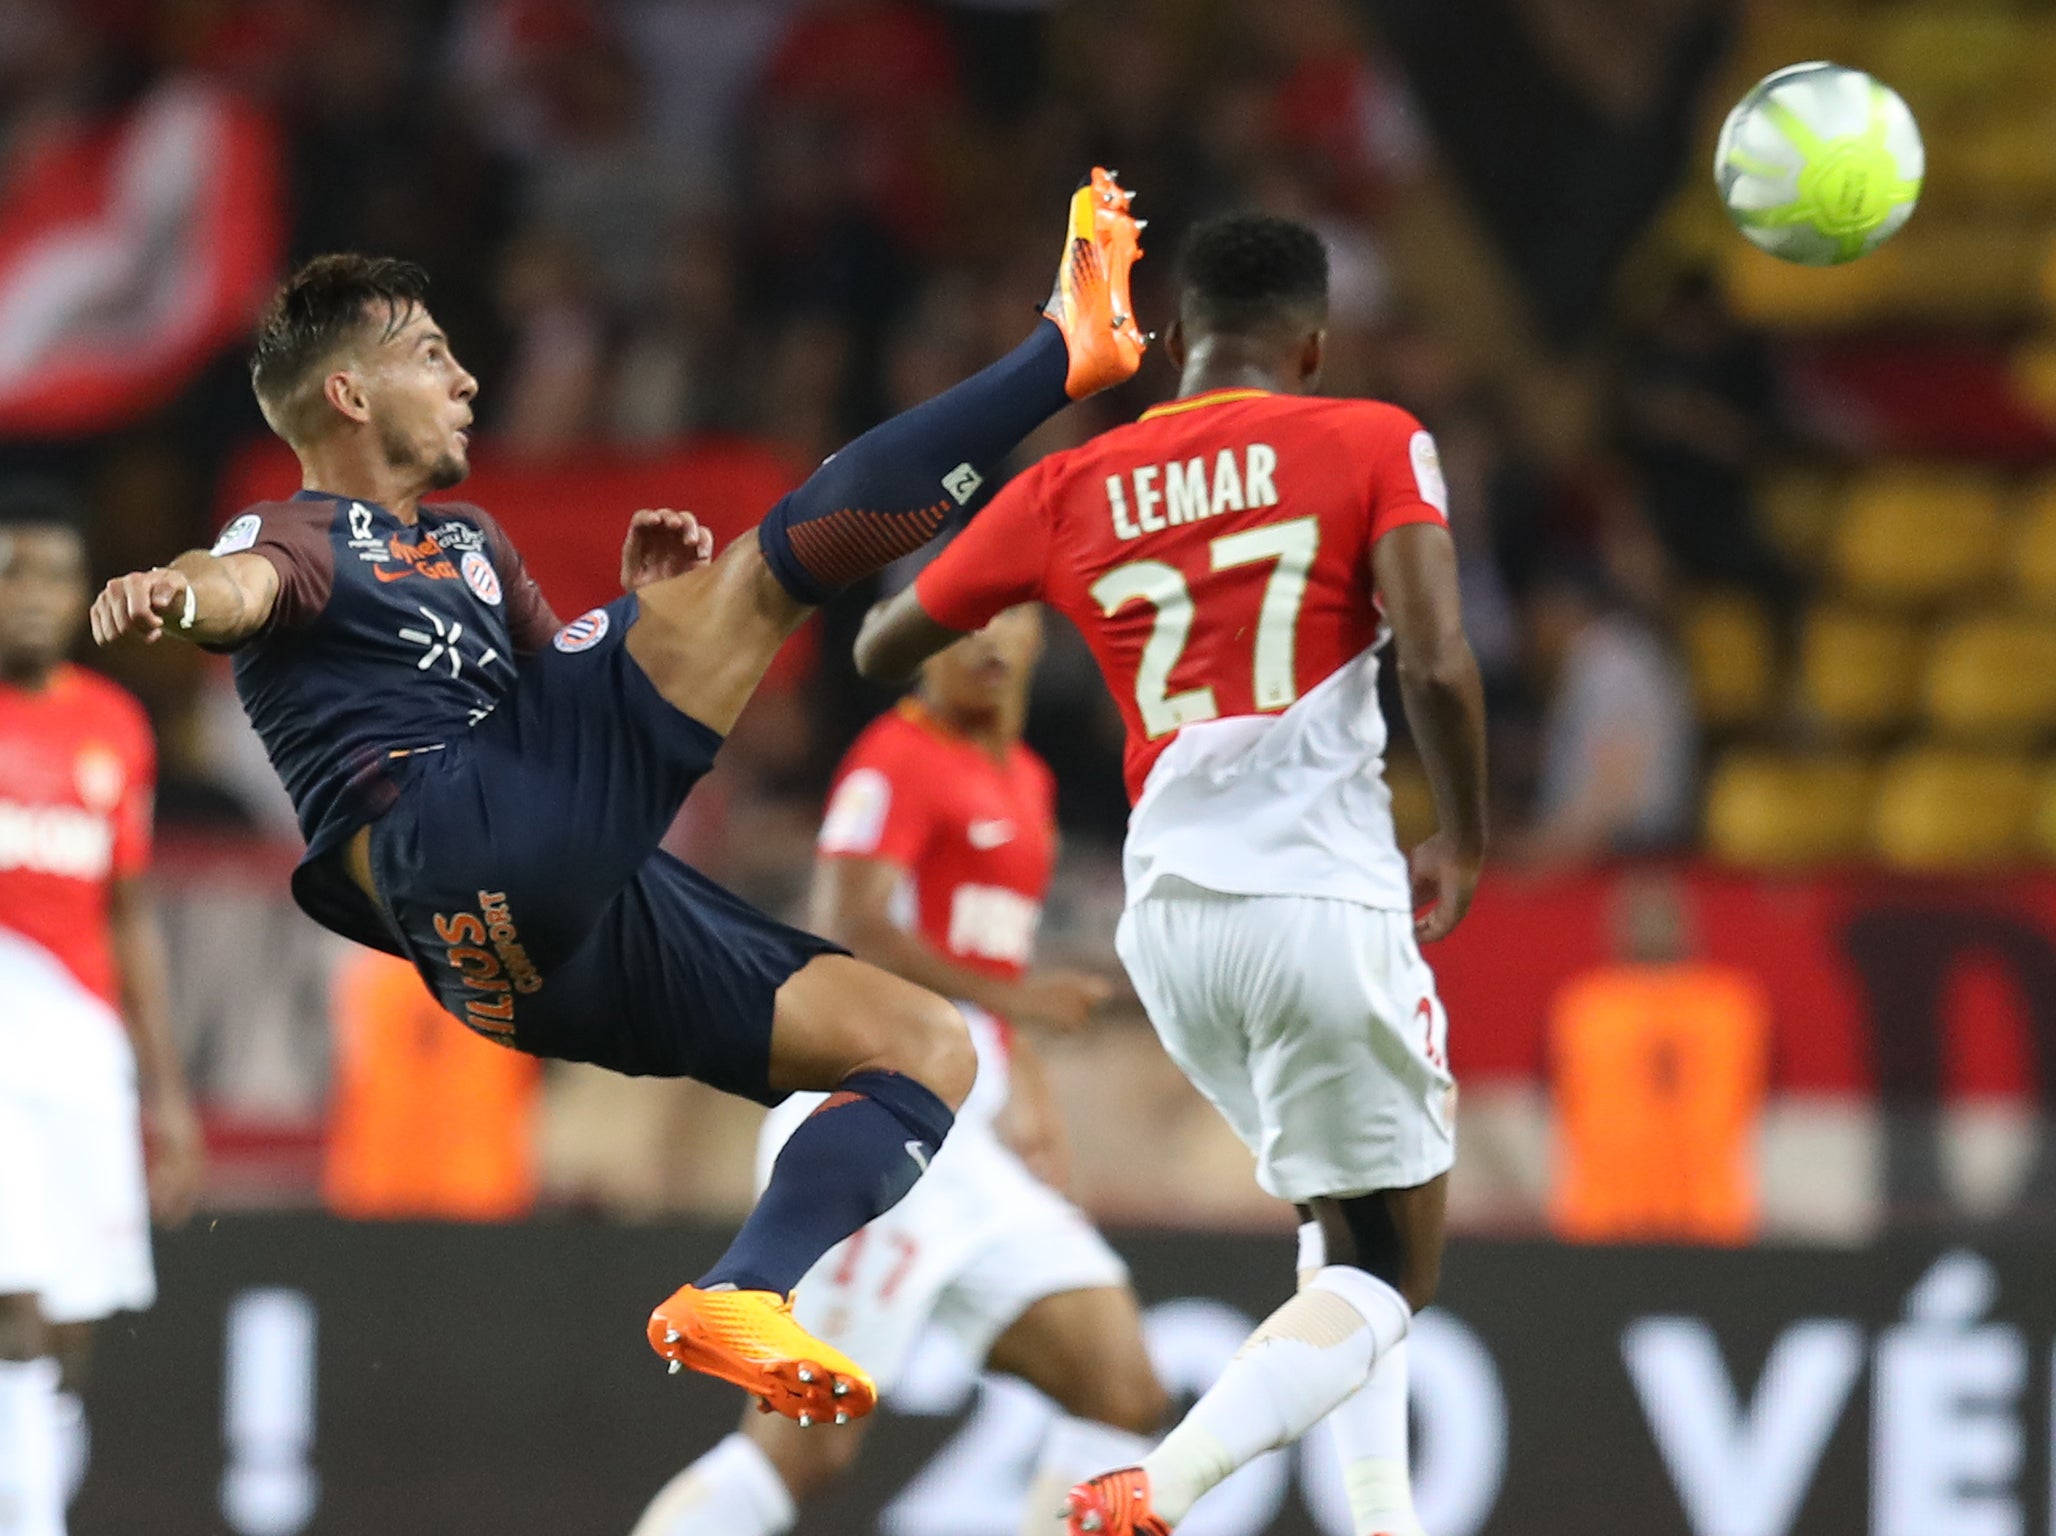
column 1819, row 164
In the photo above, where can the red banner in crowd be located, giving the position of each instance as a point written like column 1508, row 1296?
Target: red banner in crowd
column 1912, row 989
column 129, row 252
column 567, row 515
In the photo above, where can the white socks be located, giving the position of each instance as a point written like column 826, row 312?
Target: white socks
column 733, row 1490
column 31, row 1488
column 1302, row 1361
column 1074, row 1450
column 1370, row 1434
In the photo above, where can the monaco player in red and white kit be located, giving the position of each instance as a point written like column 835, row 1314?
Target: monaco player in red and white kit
column 934, row 857
column 1236, row 559
column 83, row 1012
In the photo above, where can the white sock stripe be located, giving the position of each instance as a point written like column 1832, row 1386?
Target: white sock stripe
column 1380, row 1306
column 1313, row 1250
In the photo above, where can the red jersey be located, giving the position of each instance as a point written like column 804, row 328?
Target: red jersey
column 78, row 770
column 1215, row 553
column 977, row 838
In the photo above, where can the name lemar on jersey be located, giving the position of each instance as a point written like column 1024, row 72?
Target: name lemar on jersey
column 1160, row 496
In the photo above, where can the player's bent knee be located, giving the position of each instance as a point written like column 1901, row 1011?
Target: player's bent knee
column 930, row 1043
column 1133, row 1401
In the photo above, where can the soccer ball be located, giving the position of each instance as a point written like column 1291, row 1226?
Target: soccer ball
column 1819, row 164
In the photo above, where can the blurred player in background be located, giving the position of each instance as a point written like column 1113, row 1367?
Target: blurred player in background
column 483, row 790
column 1235, row 559
column 935, row 857
column 87, row 1065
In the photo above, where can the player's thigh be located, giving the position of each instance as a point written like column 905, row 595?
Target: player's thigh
column 1084, row 1350
column 100, row 1207
column 706, row 638
column 809, row 1460
column 837, row 1016
column 1172, row 950
column 1395, row 1234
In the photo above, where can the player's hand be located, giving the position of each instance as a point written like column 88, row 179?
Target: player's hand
column 1444, row 880
column 661, row 544
column 177, row 1159
column 1062, row 1001
column 138, row 604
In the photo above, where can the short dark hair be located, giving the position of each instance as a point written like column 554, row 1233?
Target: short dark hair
column 312, row 312
column 1252, row 272
column 34, row 502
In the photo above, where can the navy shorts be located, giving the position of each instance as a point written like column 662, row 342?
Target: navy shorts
column 519, row 869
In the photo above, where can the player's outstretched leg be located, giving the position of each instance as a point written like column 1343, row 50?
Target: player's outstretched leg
column 1304, row 1360
column 889, row 492
column 897, row 1061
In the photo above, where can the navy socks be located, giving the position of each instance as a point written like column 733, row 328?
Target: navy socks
column 852, row 1159
column 890, row 491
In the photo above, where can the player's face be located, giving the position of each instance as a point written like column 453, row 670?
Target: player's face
column 42, row 596
column 986, row 675
column 420, row 399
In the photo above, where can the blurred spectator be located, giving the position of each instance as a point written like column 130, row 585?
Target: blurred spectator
column 1698, row 408
column 552, row 395
column 1659, row 1064
column 1619, row 741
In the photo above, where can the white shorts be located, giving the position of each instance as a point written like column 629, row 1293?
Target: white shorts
column 1312, row 1024
column 74, row 1203
column 977, row 1242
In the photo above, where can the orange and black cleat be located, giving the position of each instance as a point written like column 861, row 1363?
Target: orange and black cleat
column 1090, row 303
column 751, row 1339
column 1113, row 1504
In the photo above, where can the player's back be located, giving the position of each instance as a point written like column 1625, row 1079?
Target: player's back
column 1216, row 554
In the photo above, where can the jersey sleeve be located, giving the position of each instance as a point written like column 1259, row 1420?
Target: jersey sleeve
column 134, row 819
column 530, row 620
column 1405, row 475
column 878, row 809
column 293, row 536
column 997, row 561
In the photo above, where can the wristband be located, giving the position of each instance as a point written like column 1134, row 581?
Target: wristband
column 192, row 609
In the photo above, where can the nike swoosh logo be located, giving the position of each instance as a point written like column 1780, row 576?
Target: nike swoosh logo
column 919, row 1154
column 990, row 834
column 385, row 575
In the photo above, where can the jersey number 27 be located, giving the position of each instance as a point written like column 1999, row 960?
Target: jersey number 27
column 1292, row 545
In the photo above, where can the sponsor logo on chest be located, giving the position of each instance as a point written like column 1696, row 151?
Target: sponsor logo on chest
column 993, row 923
column 55, row 840
column 1153, row 497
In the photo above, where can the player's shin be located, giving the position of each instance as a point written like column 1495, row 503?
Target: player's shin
column 1370, row 1434
column 890, row 492
column 1304, row 1359
column 733, row 1490
column 1074, row 1450
column 31, row 1481
column 851, row 1160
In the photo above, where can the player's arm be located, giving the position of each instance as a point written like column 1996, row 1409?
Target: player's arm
column 218, row 600
column 853, row 906
column 995, row 563
column 1415, row 566
column 1031, row 1123
column 171, row 1126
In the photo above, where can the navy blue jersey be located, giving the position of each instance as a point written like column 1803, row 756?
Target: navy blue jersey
column 387, row 638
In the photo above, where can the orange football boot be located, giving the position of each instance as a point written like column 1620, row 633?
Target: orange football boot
column 750, row 1338
column 1113, row 1504
column 1090, row 302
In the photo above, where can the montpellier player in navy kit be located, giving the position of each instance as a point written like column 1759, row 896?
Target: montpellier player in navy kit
column 1236, row 559
column 483, row 791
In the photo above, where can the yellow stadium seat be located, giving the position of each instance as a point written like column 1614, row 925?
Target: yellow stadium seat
column 1798, row 506
column 2033, row 562
column 1918, row 535
column 1941, row 809
column 1859, row 671
column 1733, row 656
column 1993, row 677
column 2042, row 824
column 1767, row 810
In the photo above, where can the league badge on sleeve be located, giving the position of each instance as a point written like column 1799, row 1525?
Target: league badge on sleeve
column 239, row 535
column 483, row 580
column 582, row 633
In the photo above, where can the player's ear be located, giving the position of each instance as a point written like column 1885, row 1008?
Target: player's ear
column 1174, row 344
column 344, row 391
column 1313, row 353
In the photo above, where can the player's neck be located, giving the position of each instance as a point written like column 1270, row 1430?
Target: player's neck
column 336, row 470
column 993, row 734
column 1233, row 362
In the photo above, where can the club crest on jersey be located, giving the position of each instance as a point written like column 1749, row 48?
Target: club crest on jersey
column 582, row 633
column 100, row 778
column 239, row 535
column 480, row 576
